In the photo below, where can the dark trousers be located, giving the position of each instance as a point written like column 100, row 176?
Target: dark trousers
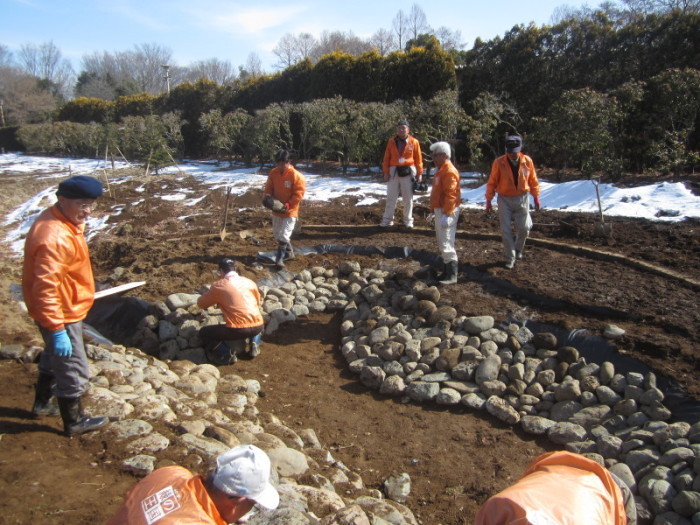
column 71, row 373
column 211, row 335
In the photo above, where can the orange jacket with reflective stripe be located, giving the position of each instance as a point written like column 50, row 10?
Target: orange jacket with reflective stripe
column 501, row 179
column 446, row 193
column 239, row 300
column 411, row 155
column 558, row 487
column 288, row 186
column 168, row 496
column 57, row 280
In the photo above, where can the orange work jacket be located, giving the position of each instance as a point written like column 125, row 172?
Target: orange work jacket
column 288, row 186
column 501, row 179
column 446, row 193
column 57, row 280
column 411, row 155
column 168, row 496
column 558, row 487
column 239, row 300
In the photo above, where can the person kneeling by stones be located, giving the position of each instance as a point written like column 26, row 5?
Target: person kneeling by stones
column 239, row 300
column 173, row 495
column 59, row 290
column 445, row 198
column 562, row 487
column 287, row 186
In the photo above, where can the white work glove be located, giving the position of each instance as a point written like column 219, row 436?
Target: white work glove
column 446, row 221
column 430, row 219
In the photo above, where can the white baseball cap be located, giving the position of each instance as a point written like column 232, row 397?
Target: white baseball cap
column 245, row 471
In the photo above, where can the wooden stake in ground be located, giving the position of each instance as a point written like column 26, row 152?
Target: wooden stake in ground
column 223, row 232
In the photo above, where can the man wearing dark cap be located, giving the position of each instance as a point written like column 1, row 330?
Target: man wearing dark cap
column 59, row 290
column 402, row 162
column 513, row 176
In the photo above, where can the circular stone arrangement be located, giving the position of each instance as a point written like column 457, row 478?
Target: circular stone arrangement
column 401, row 339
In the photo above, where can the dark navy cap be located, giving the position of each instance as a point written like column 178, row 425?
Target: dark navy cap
column 80, row 187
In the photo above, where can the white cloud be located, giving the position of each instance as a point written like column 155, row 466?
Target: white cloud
column 135, row 14
column 248, row 20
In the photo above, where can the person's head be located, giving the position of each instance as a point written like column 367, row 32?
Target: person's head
column 241, row 479
column 441, row 152
column 227, row 265
column 402, row 128
column 282, row 158
column 514, row 144
column 76, row 197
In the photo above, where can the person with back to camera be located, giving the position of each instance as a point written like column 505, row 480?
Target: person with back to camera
column 445, row 198
column 402, row 163
column 284, row 190
column 175, row 496
column 562, row 488
column 239, row 300
column 513, row 176
column 59, row 290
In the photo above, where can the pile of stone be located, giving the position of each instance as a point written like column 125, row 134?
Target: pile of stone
column 184, row 413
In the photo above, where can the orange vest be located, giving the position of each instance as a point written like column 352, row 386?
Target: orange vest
column 501, row 179
column 287, row 187
column 168, row 496
column 411, row 155
column 558, row 487
column 446, row 193
column 57, row 280
column 239, row 300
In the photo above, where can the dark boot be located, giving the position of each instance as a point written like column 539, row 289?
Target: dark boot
column 289, row 252
column 74, row 422
column 44, row 402
column 450, row 276
column 279, row 257
column 220, row 353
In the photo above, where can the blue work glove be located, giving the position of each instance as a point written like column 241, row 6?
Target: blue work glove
column 62, row 346
column 445, row 221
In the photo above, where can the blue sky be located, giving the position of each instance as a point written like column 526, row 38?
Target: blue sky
column 230, row 30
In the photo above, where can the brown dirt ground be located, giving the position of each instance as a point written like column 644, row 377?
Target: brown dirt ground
column 455, row 458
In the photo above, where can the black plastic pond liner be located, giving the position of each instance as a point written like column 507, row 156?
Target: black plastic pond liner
column 115, row 317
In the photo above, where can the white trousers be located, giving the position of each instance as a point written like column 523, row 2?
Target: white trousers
column 517, row 211
column 402, row 186
column 282, row 228
column 446, row 236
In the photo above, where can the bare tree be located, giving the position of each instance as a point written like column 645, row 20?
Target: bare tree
column 286, row 51
column 147, row 66
column 331, row 41
column 383, row 41
column 24, row 100
column 417, row 22
column 660, row 6
column 305, row 45
column 6, row 58
column 400, row 27
column 219, row 71
column 46, row 63
column 449, row 40
column 251, row 69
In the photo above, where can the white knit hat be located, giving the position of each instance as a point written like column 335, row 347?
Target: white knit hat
column 245, row 471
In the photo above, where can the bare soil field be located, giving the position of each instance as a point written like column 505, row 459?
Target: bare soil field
column 644, row 278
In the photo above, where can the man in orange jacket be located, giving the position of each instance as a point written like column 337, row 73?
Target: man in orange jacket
column 239, row 300
column 175, row 496
column 445, row 198
column 59, row 290
column 513, row 176
column 561, row 487
column 402, row 163
column 288, row 186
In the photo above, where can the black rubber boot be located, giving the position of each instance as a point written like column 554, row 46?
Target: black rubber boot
column 450, row 276
column 74, row 422
column 289, row 252
column 44, row 402
column 279, row 257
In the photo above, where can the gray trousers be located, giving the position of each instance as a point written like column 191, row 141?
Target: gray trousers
column 517, row 211
column 71, row 373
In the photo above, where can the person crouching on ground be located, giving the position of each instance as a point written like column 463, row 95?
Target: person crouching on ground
column 239, row 300
column 403, row 161
column 445, row 198
column 513, row 176
column 175, row 496
column 59, row 290
column 288, row 186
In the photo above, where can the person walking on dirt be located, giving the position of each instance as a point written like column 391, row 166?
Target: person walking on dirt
column 286, row 185
column 175, row 496
column 239, row 300
column 59, row 290
column 402, row 163
column 513, row 176
column 562, row 487
column 445, row 198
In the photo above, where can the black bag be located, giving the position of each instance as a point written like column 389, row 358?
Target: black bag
column 403, row 171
